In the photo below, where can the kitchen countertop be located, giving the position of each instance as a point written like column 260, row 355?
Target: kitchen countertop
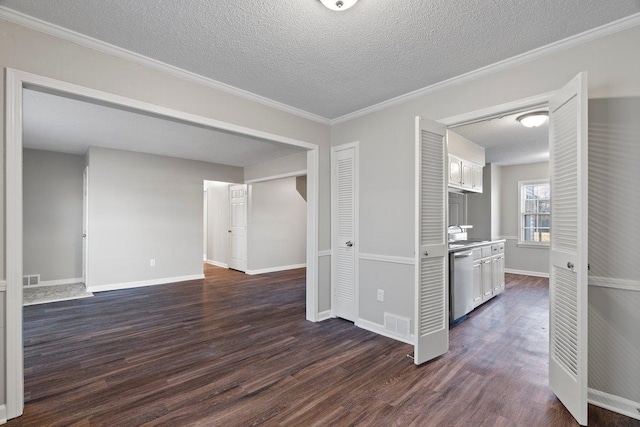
column 470, row 244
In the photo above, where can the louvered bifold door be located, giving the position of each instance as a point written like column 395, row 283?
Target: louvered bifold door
column 568, row 275
column 343, row 274
column 431, row 289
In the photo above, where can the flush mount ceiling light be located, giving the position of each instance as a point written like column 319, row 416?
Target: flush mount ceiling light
column 338, row 5
column 534, row 119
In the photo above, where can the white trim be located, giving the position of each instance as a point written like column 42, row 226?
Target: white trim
column 313, row 191
column 272, row 177
column 522, row 213
column 325, row 252
column 217, row 263
column 614, row 403
column 324, row 315
column 610, row 282
column 380, row 330
column 388, row 258
column 3, row 286
column 142, row 283
column 558, row 46
column 505, row 238
column 356, row 229
column 127, row 55
column 14, row 82
column 58, row 282
column 3, row 414
column 527, row 273
column 274, row 269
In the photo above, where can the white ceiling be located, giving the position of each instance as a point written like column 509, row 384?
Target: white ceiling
column 56, row 123
column 328, row 63
column 507, row 142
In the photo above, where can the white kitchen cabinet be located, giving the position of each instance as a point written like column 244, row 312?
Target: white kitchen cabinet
column 477, row 283
column 455, row 172
column 477, row 178
column 464, row 175
column 487, row 280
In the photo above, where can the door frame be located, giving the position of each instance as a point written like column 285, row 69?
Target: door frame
column 15, row 82
column 356, row 229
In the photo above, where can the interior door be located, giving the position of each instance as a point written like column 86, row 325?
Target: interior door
column 238, row 227
column 85, row 222
column 568, row 275
column 344, row 184
column 432, row 260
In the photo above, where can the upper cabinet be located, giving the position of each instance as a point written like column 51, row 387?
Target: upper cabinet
column 466, row 161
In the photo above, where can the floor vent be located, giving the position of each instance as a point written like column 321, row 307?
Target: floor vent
column 31, row 280
column 396, row 325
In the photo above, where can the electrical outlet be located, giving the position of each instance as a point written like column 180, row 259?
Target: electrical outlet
column 380, row 294
column 152, row 263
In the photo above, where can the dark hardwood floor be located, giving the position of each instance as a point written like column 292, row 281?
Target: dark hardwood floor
column 235, row 350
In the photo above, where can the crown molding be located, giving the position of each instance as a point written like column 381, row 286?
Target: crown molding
column 104, row 47
column 578, row 39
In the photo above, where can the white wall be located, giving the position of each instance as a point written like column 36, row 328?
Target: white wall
column 144, row 207
column 52, row 214
column 277, row 226
column 520, row 258
column 217, row 222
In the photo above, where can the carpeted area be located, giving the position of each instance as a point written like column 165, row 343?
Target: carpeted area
column 43, row 294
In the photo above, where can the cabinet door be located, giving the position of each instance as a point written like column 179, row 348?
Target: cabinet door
column 455, row 171
column 477, row 283
column 501, row 273
column 495, row 272
column 477, row 178
column 467, row 175
column 487, row 280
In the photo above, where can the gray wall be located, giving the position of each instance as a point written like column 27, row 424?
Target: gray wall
column 520, row 257
column 143, row 207
column 52, row 214
column 480, row 209
column 496, row 200
column 277, row 225
column 387, row 151
column 217, row 222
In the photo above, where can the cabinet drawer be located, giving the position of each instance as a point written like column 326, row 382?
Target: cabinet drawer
column 477, row 253
column 486, row 251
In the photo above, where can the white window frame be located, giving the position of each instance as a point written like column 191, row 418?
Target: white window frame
column 521, row 213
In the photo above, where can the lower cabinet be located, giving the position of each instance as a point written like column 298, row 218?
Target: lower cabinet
column 488, row 272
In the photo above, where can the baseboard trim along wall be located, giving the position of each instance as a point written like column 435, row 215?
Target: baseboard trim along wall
column 274, row 269
column 324, row 315
column 380, row 330
column 326, row 252
column 614, row 403
column 142, row 283
column 60, row 282
column 527, row 273
column 610, row 282
column 217, row 263
column 3, row 414
column 3, row 286
column 387, row 258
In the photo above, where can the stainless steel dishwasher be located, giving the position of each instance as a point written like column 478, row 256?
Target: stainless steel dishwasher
column 460, row 284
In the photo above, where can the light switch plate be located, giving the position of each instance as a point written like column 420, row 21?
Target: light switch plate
column 380, row 294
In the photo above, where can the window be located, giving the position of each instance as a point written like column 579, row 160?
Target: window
column 535, row 213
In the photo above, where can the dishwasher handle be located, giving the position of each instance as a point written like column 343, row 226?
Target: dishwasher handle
column 462, row 254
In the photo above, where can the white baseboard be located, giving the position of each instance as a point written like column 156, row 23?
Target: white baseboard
column 60, row 282
column 217, row 263
column 526, row 273
column 610, row 282
column 380, row 330
column 324, row 315
column 274, row 269
column 3, row 414
column 129, row 285
column 614, row 403
column 3, row 286
column 326, row 252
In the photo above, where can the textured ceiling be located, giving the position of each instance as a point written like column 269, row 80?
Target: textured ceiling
column 328, row 63
column 507, row 142
column 56, row 123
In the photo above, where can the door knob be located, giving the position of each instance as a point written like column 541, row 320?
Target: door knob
column 426, row 253
column 84, row 235
column 349, row 243
column 570, row 265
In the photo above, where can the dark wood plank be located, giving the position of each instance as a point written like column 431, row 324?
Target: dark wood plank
column 235, row 350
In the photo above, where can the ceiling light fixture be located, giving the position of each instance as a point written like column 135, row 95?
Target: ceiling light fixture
column 534, row 119
column 338, row 5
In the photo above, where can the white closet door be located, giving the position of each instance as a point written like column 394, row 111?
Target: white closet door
column 568, row 275
column 432, row 257
column 238, row 227
column 343, row 179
